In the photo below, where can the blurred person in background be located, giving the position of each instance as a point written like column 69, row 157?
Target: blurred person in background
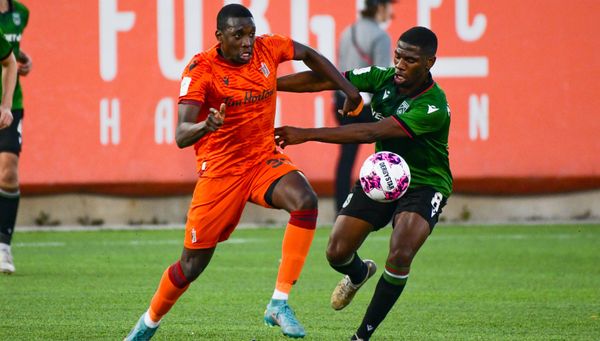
column 14, row 17
column 362, row 44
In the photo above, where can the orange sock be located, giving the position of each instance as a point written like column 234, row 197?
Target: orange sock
column 298, row 236
column 172, row 285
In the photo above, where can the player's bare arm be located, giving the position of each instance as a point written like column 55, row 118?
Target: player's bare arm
column 323, row 67
column 24, row 63
column 306, row 81
column 351, row 133
column 189, row 131
column 9, row 80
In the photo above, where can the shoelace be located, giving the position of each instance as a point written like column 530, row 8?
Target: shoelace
column 287, row 313
column 348, row 286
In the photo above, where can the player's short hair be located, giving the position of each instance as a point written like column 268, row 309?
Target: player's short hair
column 421, row 37
column 231, row 11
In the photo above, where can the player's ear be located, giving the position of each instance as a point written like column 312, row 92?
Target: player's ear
column 219, row 36
column 430, row 62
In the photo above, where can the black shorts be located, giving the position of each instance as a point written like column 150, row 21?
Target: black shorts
column 425, row 201
column 10, row 137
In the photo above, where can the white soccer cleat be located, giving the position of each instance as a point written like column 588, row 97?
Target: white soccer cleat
column 6, row 259
column 345, row 290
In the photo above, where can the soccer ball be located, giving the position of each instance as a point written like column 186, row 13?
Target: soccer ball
column 384, row 176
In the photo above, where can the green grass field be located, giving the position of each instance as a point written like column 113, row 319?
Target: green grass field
column 467, row 283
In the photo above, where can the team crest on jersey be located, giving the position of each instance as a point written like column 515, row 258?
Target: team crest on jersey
column 226, row 80
column 265, row 69
column 402, row 108
column 16, row 18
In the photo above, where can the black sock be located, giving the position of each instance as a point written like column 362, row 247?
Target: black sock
column 9, row 204
column 356, row 269
column 385, row 296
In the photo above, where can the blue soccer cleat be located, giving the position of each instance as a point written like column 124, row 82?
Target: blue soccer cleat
column 141, row 332
column 279, row 313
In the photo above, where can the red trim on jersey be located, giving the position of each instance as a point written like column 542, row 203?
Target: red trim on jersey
column 424, row 91
column 403, row 127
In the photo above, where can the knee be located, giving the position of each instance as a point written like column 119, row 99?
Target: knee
column 401, row 257
column 192, row 268
column 9, row 179
column 337, row 252
column 308, row 200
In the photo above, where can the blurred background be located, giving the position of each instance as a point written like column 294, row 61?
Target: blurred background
column 100, row 105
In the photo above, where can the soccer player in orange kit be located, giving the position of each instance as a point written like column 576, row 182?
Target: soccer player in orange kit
column 238, row 160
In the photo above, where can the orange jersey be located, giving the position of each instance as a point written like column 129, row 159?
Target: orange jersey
column 249, row 92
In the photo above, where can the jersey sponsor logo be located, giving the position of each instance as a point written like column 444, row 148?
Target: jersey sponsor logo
column 265, row 69
column 12, row 37
column 386, row 94
column 378, row 116
column 432, row 108
column 402, row 108
column 185, row 85
column 360, row 71
column 250, row 97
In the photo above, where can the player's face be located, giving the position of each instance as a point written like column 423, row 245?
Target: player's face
column 412, row 66
column 237, row 40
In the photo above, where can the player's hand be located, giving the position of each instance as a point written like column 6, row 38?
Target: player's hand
column 215, row 118
column 351, row 107
column 24, row 64
column 286, row 135
column 6, row 117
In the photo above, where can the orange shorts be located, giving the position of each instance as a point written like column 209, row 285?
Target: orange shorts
column 218, row 203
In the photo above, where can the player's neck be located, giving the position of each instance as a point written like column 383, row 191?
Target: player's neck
column 418, row 88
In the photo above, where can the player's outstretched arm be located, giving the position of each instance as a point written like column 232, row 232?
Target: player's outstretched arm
column 307, row 81
column 350, row 133
column 9, row 80
column 189, row 130
column 327, row 71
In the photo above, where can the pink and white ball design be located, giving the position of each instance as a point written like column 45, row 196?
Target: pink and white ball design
column 384, row 176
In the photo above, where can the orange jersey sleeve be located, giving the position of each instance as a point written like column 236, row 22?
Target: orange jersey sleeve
column 249, row 93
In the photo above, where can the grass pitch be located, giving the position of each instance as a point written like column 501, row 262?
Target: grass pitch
column 467, row 283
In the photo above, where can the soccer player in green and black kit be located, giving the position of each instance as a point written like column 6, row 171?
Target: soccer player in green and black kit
column 413, row 120
column 13, row 19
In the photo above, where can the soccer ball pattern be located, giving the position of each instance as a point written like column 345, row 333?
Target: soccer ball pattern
column 384, row 176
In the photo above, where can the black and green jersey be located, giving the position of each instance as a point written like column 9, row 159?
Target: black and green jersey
column 5, row 48
column 12, row 24
column 426, row 119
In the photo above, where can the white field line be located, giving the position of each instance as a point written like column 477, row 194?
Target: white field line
column 141, row 242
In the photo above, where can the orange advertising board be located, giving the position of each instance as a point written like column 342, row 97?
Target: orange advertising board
column 100, row 102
